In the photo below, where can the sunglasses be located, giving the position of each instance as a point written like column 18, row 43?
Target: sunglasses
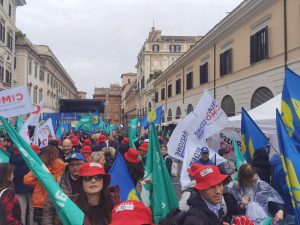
column 90, row 178
column 74, row 165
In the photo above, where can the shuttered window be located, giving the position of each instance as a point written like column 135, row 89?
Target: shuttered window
column 189, row 81
column 162, row 94
column 226, row 62
column 259, row 49
column 260, row 96
column 204, row 73
column 178, row 86
column 169, row 90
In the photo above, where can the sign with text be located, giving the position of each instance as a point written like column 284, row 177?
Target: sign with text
column 15, row 102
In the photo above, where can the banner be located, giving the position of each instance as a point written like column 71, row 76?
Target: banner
column 44, row 131
column 133, row 129
column 67, row 211
column 15, row 101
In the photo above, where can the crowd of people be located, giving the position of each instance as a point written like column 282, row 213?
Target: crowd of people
column 80, row 164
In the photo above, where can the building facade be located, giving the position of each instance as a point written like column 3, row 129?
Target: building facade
column 157, row 54
column 7, row 42
column 47, row 80
column 241, row 61
column 112, row 97
column 81, row 94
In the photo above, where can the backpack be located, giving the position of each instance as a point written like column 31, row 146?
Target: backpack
column 175, row 217
column 174, row 167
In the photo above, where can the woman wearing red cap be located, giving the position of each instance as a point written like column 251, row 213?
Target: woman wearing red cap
column 94, row 196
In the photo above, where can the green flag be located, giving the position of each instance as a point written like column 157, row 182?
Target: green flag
column 4, row 156
column 101, row 124
column 85, row 123
column 19, row 124
column 158, row 191
column 133, row 125
column 67, row 211
column 239, row 157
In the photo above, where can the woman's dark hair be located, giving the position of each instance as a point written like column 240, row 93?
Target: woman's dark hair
column 136, row 171
column 50, row 155
column 6, row 170
column 245, row 174
column 105, row 205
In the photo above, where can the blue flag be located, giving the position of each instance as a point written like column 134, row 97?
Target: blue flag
column 290, row 106
column 120, row 176
column 290, row 164
column 153, row 116
column 252, row 136
column 62, row 129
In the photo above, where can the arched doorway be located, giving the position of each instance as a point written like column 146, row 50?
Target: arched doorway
column 169, row 118
column 178, row 113
column 228, row 105
column 189, row 109
column 260, row 96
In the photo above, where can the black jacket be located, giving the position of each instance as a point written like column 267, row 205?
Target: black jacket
column 262, row 165
column 200, row 214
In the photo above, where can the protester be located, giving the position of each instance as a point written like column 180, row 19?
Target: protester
column 167, row 158
column 86, row 151
column 131, row 212
column 112, row 142
column 86, row 142
column 256, row 196
column 109, row 154
column 204, row 157
column 67, row 148
column 226, row 167
column 100, row 144
column 10, row 209
column 143, row 149
column 56, row 167
column 261, row 164
column 124, row 146
column 69, row 183
column 94, row 196
column 205, row 202
column 76, row 144
column 98, row 157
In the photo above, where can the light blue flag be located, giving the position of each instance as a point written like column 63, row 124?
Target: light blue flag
column 153, row 116
column 120, row 176
column 85, row 123
column 67, row 211
column 290, row 106
column 19, row 124
column 4, row 156
column 290, row 163
column 252, row 136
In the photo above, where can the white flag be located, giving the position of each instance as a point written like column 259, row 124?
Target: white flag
column 44, row 131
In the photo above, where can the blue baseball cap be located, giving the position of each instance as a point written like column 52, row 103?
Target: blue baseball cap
column 204, row 150
column 76, row 156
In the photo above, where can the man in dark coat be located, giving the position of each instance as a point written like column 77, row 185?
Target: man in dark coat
column 261, row 164
column 205, row 207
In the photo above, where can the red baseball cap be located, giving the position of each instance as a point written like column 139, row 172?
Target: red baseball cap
column 144, row 146
column 125, row 141
column 36, row 149
column 208, row 176
column 102, row 138
column 131, row 212
column 86, row 149
column 86, row 142
column 132, row 155
column 193, row 169
column 91, row 169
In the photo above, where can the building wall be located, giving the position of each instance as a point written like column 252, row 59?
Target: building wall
column 234, row 32
column 81, row 94
column 47, row 80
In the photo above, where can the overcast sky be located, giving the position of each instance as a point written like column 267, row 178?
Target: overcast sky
column 98, row 40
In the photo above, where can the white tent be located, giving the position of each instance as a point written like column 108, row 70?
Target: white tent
column 264, row 115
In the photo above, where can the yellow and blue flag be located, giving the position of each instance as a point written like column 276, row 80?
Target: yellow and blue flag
column 290, row 106
column 290, row 164
column 121, row 177
column 62, row 129
column 153, row 116
column 252, row 136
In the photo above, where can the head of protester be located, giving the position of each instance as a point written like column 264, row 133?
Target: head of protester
column 131, row 212
column 98, row 157
column 75, row 161
column 143, row 149
column 94, row 196
column 205, row 201
column 10, row 210
column 109, row 155
column 204, row 157
column 256, row 196
column 67, row 147
column 86, row 152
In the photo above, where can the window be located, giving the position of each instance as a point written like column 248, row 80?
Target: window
column 35, row 95
column 178, row 113
column 162, row 94
column 155, row 48
column 260, row 96
column 259, row 46
column 189, row 81
column 169, row 118
column 228, row 105
column 178, row 86
column 29, row 66
column 116, row 115
column 9, row 10
column 204, row 73
column 128, row 81
column 35, row 70
column 51, row 81
column 226, row 62
column 48, row 78
column 1, row 73
column 2, row 31
column 7, row 77
column 143, row 83
column 1, row 2
column 189, row 109
column 169, row 90
column 42, row 75
column 41, row 95
column 174, row 48
column 156, row 96
column 9, row 40
column 149, row 106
